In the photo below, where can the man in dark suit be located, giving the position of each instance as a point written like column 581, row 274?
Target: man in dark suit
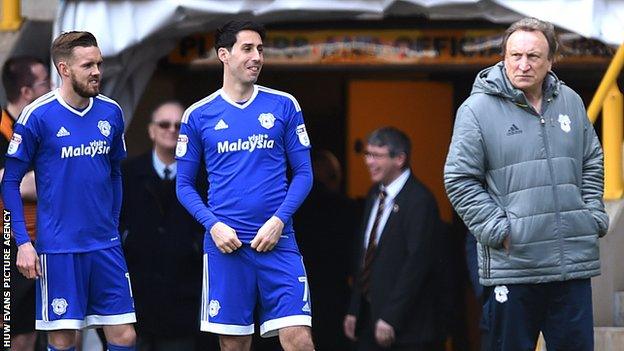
column 162, row 242
column 395, row 302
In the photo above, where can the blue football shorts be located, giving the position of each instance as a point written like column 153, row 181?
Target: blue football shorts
column 81, row 290
column 272, row 285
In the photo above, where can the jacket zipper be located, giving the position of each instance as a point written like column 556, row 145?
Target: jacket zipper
column 554, row 188
column 552, row 120
column 486, row 261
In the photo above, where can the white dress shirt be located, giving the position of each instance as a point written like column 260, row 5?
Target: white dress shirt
column 392, row 190
column 160, row 166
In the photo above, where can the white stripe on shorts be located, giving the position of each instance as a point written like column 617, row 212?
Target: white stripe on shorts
column 272, row 326
column 226, row 329
column 59, row 324
column 217, row 328
column 91, row 321
column 204, row 298
column 95, row 320
column 43, row 282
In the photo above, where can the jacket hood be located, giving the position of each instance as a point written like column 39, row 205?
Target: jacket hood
column 494, row 81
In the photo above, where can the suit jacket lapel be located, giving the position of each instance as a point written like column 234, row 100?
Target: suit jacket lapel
column 152, row 181
column 368, row 207
column 395, row 213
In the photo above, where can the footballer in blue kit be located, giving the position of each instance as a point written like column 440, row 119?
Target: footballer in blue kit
column 248, row 136
column 73, row 137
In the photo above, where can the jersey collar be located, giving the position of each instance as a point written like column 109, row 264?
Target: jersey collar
column 236, row 104
column 67, row 106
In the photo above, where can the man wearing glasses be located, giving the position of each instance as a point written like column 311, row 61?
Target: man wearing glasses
column 162, row 242
column 396, row 302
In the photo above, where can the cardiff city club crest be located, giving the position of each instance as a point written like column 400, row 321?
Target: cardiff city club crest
column 500, row 292
column 565, row 122
column 59, row 306
column 267, row 120
column 105, row 128
column 213, row 308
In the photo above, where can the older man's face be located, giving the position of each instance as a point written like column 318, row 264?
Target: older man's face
column 165, row 126
column 526, row 60
column 382, row 167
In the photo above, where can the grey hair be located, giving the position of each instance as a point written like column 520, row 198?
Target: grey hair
column 396, row 141
column 531, row 24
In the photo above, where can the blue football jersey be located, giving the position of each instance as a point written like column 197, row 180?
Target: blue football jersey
column 245, row 148
column 72, row 151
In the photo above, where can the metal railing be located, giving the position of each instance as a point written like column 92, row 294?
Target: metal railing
column 609, row 98
column 11, row 15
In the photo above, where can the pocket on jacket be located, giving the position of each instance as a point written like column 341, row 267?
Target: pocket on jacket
column 511, row 218
column 594, row 227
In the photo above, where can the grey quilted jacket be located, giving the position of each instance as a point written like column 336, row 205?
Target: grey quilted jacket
column 536, row 177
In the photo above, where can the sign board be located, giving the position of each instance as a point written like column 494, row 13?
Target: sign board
column 386, row 47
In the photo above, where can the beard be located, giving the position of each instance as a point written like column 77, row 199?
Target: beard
column 83, row 89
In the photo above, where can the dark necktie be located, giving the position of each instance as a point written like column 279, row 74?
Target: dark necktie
column 372, row 245
column 167, row 190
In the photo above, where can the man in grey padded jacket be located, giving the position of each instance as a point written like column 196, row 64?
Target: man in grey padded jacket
column 525, row 173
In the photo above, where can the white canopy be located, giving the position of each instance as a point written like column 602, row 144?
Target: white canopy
column 134, row 35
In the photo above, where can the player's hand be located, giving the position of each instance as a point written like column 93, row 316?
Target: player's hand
column 349, row 326
column 225, row 237
column 384, row 333
column 28, row 261
column 268, row 235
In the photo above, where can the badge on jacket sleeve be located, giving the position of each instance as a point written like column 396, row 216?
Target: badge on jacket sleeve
column 500, row 292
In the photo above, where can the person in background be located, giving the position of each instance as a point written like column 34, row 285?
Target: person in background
column 162, row 242
column 397, row 302
column 24, row 79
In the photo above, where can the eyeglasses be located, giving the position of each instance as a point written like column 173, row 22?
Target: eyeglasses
column 167, row 124
column 44, row 83
column 375, row 155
